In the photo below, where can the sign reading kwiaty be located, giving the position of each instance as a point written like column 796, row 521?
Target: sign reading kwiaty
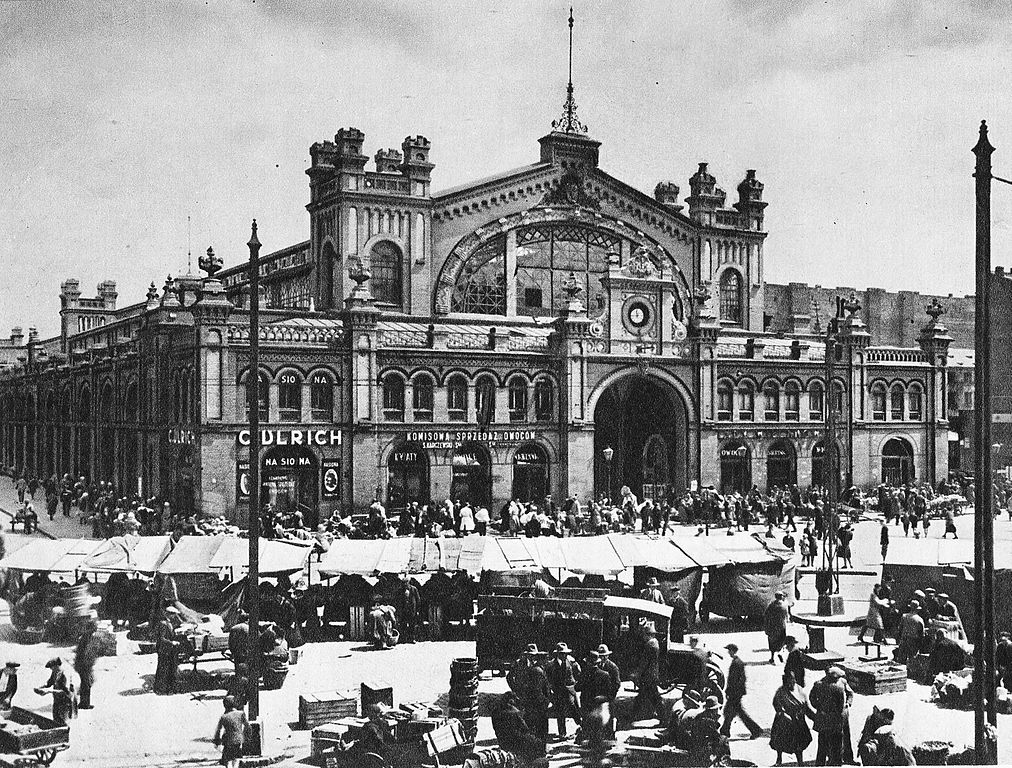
column 453, row 438
column 321, row 437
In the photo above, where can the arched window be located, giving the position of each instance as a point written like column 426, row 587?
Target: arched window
column 915, row 402
column 484, row 400
column 816, row 401
column 321, row 397
column 730, row 297
column 518, row 399
column 544, row 400
column 481, row 284
column 896, row 402
column 725, row 401
column 386, row 283
column 421, row 398
column 792, row 401
column 393, row 397
column 837, row 399
column 746, row 402
column 289, row 396
column 878, row 402
column 263, row 396
column 771, row 401
column 456, row 398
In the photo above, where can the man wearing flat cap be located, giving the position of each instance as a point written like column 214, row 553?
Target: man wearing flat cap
column 167, row 648
column 562, row 672
column 59, row 685
column 735, row 691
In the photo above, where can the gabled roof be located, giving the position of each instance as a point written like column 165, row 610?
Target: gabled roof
column 470, row 186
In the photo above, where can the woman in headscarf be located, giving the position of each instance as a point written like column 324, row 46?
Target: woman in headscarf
column 790, row 732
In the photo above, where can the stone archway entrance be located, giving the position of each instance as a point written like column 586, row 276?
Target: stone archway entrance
column 643, row 421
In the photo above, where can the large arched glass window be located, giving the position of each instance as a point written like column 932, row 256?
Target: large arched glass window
column 289, row 396
column 386, row 283
column 878, row 402
column 421, row 398
column 544, row 400
column 897, row 395
column 481, row 285
column 456, row 398
column 746, row 402
column 725, row 401
column 321, row 397
column 393, row 397
column 915, row 402
column 730, row 297
column 518, row 399
column 771, row 401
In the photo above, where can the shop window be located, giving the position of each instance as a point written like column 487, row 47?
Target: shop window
column 484, row 400
column 896, row 398
column 263, row 398
column 816, row 401
column 289, row 397
column 386, row 283
column 914, row 402
column 771, row 401
column 518, row 399
column 792, row 402
column 878, row 402
column 393, row 397
column 456, row 399
column 725, row 401
column 746, row 402
column 421, row 399
column 544, row 400
column 321, row 398
column 730, row 297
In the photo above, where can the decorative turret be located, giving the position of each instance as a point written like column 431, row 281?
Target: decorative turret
column 706, row 196
column 70, row 292
column 852, row 330
column 934, row 338
column 169, row 298
column 666, row 193
column 388, row 161
column 210, row 263
column 17, row 336
column 750, row 200
column 107, row 293
column 152, row 297
column 416, row 158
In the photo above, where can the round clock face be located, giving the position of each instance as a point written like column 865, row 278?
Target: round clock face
column 637, row 316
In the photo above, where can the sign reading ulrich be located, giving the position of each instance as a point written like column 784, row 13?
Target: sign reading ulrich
column 321, row 437
column 453, row 438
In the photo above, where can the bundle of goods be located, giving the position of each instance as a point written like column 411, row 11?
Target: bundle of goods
column 874, row 677
column 932, row 752
column 954, row 689
column 464, row 695
column 940, row 504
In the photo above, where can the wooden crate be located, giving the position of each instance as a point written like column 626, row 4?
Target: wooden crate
column 376, row 692
column 874, row 677
column 358, row 626
column 325, row 707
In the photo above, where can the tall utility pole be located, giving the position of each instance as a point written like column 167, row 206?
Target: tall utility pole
column 253, row 407
column 983, row 550
column 831, row 456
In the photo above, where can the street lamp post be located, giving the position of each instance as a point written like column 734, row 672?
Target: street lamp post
column 609, row 454
column 253, row 405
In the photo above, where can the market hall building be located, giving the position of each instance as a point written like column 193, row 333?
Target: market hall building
column 549, row 330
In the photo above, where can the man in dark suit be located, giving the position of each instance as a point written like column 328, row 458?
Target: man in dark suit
column 238, row 640
column 795, row 663
column 562, row 672
column 735, row 692
column 167, row 648
column 528, row 681
column 829, row 700
column 512, row 731
column 648, row 677
column 409, row 604
column 596, row 694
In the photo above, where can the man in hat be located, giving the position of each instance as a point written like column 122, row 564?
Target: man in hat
column 947, row 611
column 648, row 677
column 929, row 605
column 829, row 701
column 58, row 684
column 238, row 639
column 609, row 666
column 679, row 617
column 8, row 684
column 167, row 648
column 795, row 663
column 595, row 700
column 562, row 672
column 512, row 731
column 652, row 591
column 775, row 624
column 85, row 656
column 528, row 680
column 911, row 634
column 735, row 691
column 409, row 605
column 708, row 741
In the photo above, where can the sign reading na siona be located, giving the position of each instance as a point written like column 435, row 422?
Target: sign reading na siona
column 321, row 437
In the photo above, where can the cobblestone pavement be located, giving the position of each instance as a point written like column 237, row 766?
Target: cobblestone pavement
column 133, row 727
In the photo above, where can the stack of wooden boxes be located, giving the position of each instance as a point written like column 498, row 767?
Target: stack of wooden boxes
column 464, row 695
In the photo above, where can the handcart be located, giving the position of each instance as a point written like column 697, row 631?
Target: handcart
column 43, row 744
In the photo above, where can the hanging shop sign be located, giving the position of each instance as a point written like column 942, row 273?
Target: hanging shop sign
column 321, row 437
column 452, row 438
column 242, row 479
column 331, row 485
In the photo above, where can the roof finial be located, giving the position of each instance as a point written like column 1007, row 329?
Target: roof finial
column 569, row 123
column 189, row 255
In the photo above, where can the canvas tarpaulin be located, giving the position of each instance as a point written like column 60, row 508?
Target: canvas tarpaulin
column 48, row 554
column 130, row 554
column 191, row 555
column 747, row 589
column 275, row 556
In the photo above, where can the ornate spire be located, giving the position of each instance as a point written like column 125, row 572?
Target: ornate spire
column 569, row 123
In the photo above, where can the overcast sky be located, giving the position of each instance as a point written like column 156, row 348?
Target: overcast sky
column 120, row 119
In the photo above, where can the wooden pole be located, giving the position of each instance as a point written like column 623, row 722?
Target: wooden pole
column 253, row 406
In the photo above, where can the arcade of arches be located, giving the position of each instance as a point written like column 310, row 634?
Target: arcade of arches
column 644, row 422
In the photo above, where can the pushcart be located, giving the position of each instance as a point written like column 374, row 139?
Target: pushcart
column 43, row 744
